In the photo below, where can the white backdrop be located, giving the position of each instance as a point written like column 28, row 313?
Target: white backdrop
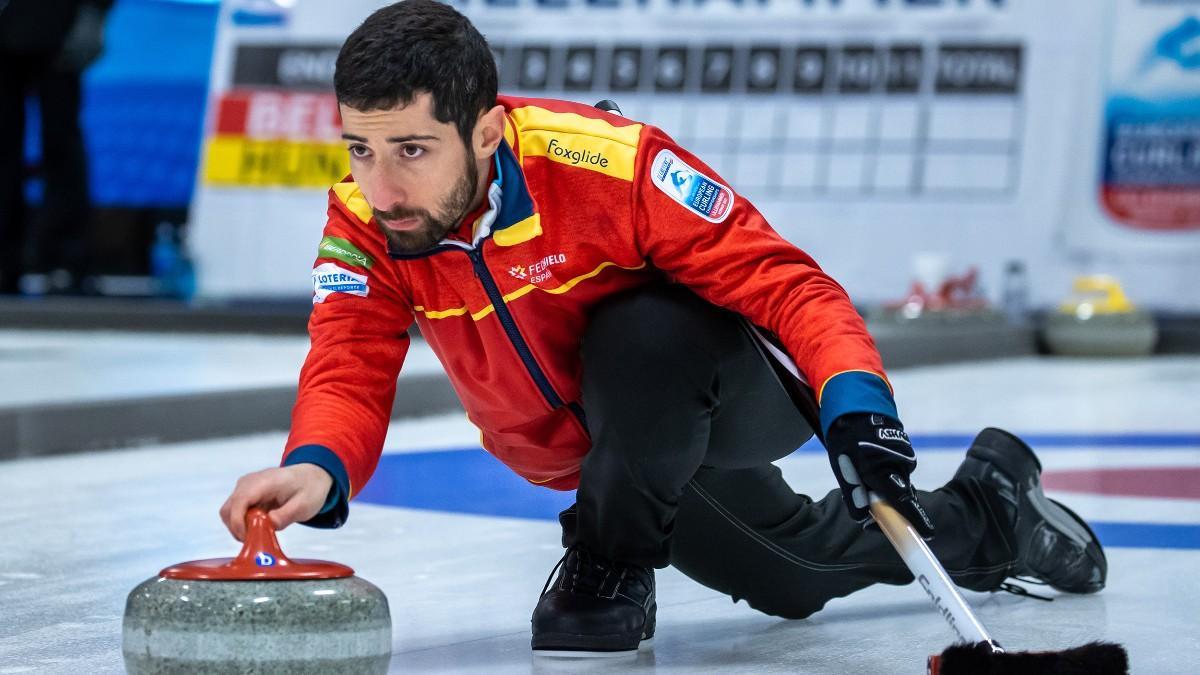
column 867, row 131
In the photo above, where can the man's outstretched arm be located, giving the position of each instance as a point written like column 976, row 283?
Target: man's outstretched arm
column 359, row 332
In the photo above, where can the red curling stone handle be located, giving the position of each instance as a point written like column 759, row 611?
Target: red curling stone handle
column 260, row 559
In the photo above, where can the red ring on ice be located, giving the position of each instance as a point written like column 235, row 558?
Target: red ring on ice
column 1176, row 482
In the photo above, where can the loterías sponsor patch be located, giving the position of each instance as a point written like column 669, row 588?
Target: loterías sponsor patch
column 704, row 196
column 329, row 278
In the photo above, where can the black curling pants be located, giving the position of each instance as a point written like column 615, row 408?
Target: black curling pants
column 686, row 416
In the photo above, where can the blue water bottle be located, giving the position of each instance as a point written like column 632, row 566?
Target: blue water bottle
column 164, row 260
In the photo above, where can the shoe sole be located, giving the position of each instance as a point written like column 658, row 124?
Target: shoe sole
column 568, row 646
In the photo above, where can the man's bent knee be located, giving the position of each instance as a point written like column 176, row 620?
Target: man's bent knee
column 785, row 606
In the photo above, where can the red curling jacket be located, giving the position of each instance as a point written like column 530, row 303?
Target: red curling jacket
column 584, row 204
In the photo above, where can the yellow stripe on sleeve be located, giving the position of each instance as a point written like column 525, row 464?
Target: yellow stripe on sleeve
column 821, row 391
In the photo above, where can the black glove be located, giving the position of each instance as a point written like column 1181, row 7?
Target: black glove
column 871, row 452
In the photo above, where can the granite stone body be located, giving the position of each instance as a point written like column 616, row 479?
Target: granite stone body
column 294, row 627
column 1125, row 334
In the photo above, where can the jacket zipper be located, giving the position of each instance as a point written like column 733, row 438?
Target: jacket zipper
column 514, row 335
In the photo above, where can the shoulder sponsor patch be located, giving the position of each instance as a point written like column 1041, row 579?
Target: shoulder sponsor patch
column 698, row 193
column 341, row 249
column 329, row 278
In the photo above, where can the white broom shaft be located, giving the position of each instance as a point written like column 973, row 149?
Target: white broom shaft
column 929, row 573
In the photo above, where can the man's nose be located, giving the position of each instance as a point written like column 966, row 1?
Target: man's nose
column 385, row 192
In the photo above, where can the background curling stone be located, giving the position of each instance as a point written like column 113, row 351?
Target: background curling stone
column 257, row 613
column 1099, row 320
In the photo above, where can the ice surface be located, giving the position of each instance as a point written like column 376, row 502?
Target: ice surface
column 78, row 532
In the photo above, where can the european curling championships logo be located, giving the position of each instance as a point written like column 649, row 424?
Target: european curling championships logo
column 698, row 193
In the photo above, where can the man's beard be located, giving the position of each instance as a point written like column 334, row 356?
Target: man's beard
column 451, row 211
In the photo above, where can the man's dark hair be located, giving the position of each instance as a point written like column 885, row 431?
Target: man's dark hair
column 418, row 46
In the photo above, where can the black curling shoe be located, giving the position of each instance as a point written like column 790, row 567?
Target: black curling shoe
column 596, row 607
column 1054, row 545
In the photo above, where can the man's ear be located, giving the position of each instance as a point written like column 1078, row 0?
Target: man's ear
column 489, row 131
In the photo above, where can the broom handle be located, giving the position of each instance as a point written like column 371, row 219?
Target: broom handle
column 929, row 573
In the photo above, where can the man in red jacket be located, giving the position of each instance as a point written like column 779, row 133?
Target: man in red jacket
column 616, row 319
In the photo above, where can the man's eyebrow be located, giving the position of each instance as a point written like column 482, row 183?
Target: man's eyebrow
column 394, row 139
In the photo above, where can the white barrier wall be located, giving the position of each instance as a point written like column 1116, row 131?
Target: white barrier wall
column 867, row 131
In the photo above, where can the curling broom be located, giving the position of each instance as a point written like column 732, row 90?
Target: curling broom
column 978, row 653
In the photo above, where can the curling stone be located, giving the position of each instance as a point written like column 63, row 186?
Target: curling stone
column 1099, row 320
column 257, row 613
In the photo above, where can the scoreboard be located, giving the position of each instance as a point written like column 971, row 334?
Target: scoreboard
column 967, row 128
column 792, row 121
